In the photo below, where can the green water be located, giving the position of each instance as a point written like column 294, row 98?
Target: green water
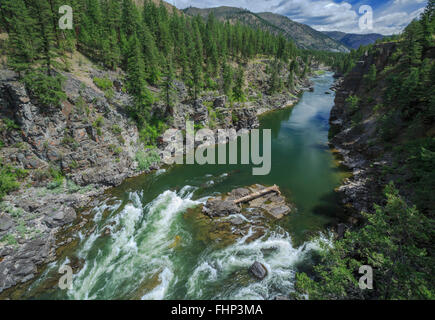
column 157, row 249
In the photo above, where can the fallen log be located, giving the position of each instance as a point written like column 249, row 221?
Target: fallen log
column 258, row 194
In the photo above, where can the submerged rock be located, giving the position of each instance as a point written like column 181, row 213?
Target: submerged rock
column 258, row 270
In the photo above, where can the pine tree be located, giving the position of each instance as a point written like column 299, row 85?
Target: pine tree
column 370, row 77
column 394, row 242
column 45, row 34
column 275, row 82
column 130, row 19
column 151, row 54
column 168, row 86
column 22, row 48
column 227, row 80
column 428, row 25
column 238, row 92
column 110, row 51
column 412, row 44
column 291, row 81
column 195, row 82
column 136, row 82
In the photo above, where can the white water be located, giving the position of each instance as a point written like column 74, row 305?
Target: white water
column 140, row 251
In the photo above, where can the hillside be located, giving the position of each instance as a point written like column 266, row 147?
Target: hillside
column 383, row 128
column 353, row 40
column 304, row 36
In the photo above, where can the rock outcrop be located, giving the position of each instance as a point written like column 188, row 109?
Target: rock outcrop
column 271, row 203
column 89, row 139
column 351, row 140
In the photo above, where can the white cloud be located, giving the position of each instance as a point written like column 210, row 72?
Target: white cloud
column 326, row 15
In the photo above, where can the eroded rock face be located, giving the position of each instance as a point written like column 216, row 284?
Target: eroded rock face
column 22, row 265
column 245, row 118
column 353, row 142
column 94, row 154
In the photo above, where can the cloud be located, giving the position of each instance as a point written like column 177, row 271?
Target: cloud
column 389, row 17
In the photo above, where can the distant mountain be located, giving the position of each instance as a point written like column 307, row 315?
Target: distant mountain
column 168, row 6
column 304, row 36
column 353, row 40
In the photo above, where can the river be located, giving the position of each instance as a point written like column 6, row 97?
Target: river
column 156, row 249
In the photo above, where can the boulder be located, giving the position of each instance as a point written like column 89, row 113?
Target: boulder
column 5, row 222
column 341, row 229
column 219, row 208
column 61, row 217
column 220, row 102
column 200, row 112
column 258, row 270
column 245, row 118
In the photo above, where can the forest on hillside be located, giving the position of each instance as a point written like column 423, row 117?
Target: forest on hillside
column 151, row 44
column 397, row 238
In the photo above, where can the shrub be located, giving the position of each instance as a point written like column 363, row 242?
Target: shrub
column 151, row 132
column 146, row 159
column 103, row 83
column 10, row 124
column 98, row 123
column 70, row 141
column 8, row 180
column 353, row 103
column 116, row 129
column 9, row 239
column 234, row 118
column 46, row 89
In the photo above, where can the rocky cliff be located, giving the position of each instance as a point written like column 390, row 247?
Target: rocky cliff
column 354, row 131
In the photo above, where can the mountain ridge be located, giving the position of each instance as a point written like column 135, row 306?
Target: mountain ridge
column 354, row 40
column 304, row 36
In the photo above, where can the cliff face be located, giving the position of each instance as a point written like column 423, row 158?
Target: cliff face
column 90, row 140
column 354, row 131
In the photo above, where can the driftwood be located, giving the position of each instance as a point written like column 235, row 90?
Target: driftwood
column 258, row 194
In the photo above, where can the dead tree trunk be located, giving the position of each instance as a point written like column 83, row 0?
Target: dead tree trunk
column 258, row 194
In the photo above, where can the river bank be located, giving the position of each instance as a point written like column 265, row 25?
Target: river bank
column 166, row 192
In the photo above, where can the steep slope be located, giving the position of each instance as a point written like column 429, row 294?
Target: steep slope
column 304, row 36
column 383, row 126
column 353, row 40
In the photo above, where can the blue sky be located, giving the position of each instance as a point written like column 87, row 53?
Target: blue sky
column 389, row 16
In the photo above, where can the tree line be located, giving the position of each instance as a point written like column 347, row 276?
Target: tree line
column 152, row 44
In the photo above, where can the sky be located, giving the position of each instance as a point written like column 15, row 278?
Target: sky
column 389, row 16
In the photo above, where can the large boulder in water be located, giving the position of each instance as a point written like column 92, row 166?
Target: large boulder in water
column 271, row 203
column 220, row 208
column 258, row 270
